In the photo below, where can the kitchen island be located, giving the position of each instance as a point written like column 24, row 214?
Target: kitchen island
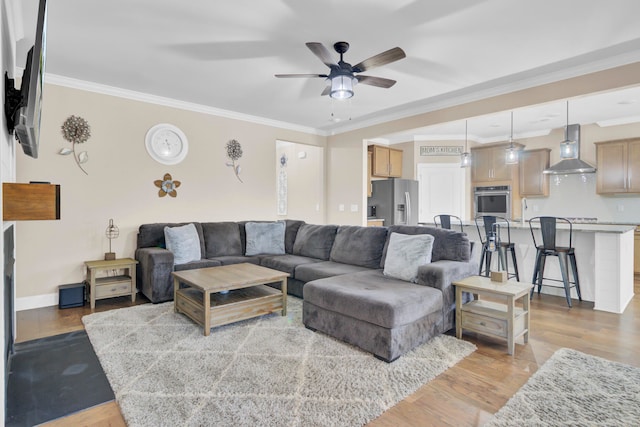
column 604, row 256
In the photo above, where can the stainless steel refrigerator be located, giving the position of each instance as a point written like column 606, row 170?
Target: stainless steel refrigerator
column 395, row 201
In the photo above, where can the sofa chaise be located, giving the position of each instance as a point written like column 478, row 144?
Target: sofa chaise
column 340, row 273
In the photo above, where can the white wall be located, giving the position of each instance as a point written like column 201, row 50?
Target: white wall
column 120, row 183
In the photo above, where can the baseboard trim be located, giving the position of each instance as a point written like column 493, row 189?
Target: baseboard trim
column 38, row 301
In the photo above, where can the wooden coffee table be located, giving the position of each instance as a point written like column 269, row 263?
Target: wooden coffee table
column 201, row 299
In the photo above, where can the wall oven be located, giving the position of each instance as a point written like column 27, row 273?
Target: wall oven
column 495, row 201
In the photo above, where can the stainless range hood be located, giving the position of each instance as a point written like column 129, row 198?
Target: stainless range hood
column 569, row 166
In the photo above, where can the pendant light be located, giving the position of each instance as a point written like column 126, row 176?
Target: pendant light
column 568, row 148
column 465, row 158
column 511, row 153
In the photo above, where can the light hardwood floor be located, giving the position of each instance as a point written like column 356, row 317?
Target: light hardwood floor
column 465, row 395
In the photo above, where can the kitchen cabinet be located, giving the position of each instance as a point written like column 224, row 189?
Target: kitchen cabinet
column 533, row 183
column 488, row 164
column 618, row 167
column 386, row 162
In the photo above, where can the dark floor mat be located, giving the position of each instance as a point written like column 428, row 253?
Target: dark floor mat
column 53, row 377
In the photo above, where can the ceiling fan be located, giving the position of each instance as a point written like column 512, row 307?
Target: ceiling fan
column 342, row 74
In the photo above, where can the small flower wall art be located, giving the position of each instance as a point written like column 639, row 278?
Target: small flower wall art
column 234, row 152
column 76, row 130
column 167, row 185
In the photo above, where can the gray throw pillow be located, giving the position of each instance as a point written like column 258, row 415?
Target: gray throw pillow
column 265, row 238
column 183, row 242
column 405, row 254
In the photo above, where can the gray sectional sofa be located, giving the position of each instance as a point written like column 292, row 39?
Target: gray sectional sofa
column 339, row 271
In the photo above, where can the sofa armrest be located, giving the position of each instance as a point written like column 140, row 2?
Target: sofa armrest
column 440, row 275
column 154, row 273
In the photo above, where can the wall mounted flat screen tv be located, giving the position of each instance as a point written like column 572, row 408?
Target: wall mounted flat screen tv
column 23, row 107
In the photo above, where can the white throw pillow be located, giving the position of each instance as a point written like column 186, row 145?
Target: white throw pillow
column 406, row 253
column 184, row 242
column 265, row 238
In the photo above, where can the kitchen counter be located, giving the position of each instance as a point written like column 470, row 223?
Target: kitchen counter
column 604, row 255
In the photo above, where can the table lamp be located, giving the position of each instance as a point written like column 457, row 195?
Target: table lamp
column 111, row 232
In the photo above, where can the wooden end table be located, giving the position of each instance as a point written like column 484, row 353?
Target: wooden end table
column 502, row 320
column 111, row 286
column 201, row 299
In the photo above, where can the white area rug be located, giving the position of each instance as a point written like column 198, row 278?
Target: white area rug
column 575, row 389
column 269, row 371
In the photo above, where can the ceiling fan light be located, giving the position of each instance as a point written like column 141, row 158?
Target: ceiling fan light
column 342, row 87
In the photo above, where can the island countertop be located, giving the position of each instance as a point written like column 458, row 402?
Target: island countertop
column 591, row 227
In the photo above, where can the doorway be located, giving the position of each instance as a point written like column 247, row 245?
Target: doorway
column 442, row 190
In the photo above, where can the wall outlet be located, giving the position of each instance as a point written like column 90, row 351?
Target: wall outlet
column 620, row 208
column 536, row 208
column 354, row 208
column 341, row 207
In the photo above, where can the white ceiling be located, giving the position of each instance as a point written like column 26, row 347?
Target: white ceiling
column 224, row 55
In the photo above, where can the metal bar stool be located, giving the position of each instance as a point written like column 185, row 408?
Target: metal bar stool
column 492, row 241
column 566, row 255
column 445, row 221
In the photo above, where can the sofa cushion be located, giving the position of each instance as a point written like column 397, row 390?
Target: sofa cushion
column 237, row 259
column 290, row 233
column 183, row 242
column 358, row 245
column 315, row 241
column 152, row 235
column 375, row 298
column 320, row 270
column 406, row 253
column 448, row 244
column 286, row 263
column 221, row 239
column 264, row 238
column 201, row 263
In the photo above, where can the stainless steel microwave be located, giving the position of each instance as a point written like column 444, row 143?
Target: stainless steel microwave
column 494, row 201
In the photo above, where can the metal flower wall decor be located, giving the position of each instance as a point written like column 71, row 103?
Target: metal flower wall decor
column 167, row 185
column 76, row 130
column 234, row 152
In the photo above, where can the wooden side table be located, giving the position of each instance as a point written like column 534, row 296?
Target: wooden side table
column 502, row 320
column 111, row 286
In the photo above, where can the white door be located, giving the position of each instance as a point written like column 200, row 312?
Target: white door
column 442, row 190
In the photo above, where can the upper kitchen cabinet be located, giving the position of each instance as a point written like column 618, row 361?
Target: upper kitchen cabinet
column 533, row 183
column 618, row 167
column 386, row 162
column 488, row 164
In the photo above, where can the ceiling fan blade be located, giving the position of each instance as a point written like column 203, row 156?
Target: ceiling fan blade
column 326, row 91
column 376, row 81
column 380, row 59
column 322, row 52
column 305, row 76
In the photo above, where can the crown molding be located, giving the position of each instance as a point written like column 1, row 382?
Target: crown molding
column 58, row 80
column 615, row 56
column 617, row 122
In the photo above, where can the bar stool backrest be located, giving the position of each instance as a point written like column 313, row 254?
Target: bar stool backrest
column 445, row 221
column 548, row 227
column 492, row 226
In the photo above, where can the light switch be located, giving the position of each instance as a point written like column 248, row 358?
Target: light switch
column 341, row 207
column 354, row 208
